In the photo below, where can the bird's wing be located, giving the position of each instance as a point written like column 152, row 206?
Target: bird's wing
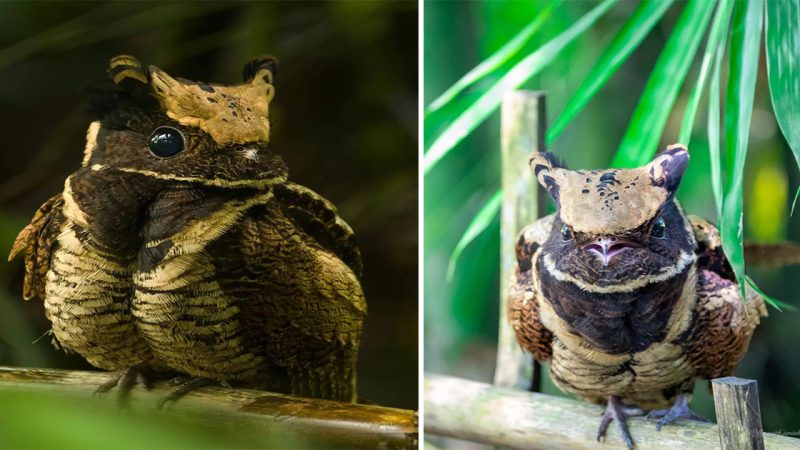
column 38, row 240
column 710, row 255
column 302, row 307
column 722, row 324
column 523, row 306
column 319, row 218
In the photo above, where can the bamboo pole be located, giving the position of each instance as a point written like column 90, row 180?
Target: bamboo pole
column 328, row 423
column 738, row 413
column 523, row 129
column 511, row 418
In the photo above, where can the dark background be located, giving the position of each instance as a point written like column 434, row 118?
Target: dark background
column 344, row 118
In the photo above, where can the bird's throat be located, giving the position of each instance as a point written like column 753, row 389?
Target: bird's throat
column 614, row 322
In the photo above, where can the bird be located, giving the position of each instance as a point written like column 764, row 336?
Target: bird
column 626, row 297
column 180, row 245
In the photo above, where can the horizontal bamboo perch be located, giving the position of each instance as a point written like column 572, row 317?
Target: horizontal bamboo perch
column 332, row 423
column 511, row 418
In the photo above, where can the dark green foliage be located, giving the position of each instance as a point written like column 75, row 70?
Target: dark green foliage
column 346, row 102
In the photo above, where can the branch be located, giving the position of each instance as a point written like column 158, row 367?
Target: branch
column 772, row 255
column 523, row 420
column 332, row 423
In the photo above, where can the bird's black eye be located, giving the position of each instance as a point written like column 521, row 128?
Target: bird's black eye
column 166, row 142
column 658, row 228
column 566, row 233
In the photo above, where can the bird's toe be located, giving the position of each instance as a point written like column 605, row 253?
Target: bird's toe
column 184, row 387
column 680, row 410
column 124, row 381
column 618, row 412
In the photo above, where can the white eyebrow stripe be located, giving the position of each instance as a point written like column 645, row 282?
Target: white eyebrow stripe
column 668, row 272
column 259, row 183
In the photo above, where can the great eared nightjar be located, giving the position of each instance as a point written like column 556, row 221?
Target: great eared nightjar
column 181, row 246
column 627, row 298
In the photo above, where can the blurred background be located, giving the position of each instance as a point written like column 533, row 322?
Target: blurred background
column 461, row 315
column 344, row 118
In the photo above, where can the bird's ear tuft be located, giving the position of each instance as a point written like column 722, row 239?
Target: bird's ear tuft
column 127, row 86
column 668, row 167
column 126, row 72
column 544, row 166
column 265, row 66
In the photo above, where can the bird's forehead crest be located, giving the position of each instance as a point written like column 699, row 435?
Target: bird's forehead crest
column 607, row 201
column 613, row 200
column 230, row 114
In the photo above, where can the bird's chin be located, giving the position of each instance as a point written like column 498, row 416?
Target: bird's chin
column 608, row 252
column 625, row 266
column 619, row 269
column 610, row 257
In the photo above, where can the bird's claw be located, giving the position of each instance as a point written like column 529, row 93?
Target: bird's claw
column 124, row 381
column 184, row 386
column 107, row 386
column 680, row 410
column 619, row 412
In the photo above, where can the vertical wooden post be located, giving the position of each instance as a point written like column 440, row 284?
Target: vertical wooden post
column 524, row 123
column 738, row 414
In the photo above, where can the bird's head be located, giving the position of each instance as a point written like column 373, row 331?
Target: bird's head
column 616, row 228
column 166, row 128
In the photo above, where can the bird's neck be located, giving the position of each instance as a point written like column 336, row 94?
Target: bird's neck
column 627, row 321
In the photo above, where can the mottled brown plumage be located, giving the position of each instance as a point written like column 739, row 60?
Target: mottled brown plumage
column 628, row 299
column 180, row 244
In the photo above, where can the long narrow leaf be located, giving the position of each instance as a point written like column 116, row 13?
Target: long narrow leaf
column 102, row 24
column 783, row 67
column 481, row 221
column 489, row 101
column 718, row 30
column 743, row 70
column 647, row 14
column 502, row 55
column 794, row 202
column 655, row 104
column 774, row 302
column 713, row 130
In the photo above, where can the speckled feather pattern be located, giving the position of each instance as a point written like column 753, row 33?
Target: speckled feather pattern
column 710, row 344
column 209, row 263
column 642, row 334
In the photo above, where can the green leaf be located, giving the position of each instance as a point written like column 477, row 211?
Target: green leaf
column 78, row 422
column 479, row 223
column 647, row 14
column 713, row 130
column 744, row 50
column 774, row 302
column 718, row 29
column 783, row 67
column 487, row 103
column 496, row 60
column 648, row 121
column 794, row 202
column 102, row 24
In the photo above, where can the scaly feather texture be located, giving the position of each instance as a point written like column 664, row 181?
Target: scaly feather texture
column 626, row 297
column 180, row 245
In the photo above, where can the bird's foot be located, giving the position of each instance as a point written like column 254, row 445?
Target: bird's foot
column 124, row 381
column 619, row 412
column 186, row 385
column 680, row 410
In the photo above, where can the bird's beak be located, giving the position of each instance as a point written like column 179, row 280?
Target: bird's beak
column 607, row 248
